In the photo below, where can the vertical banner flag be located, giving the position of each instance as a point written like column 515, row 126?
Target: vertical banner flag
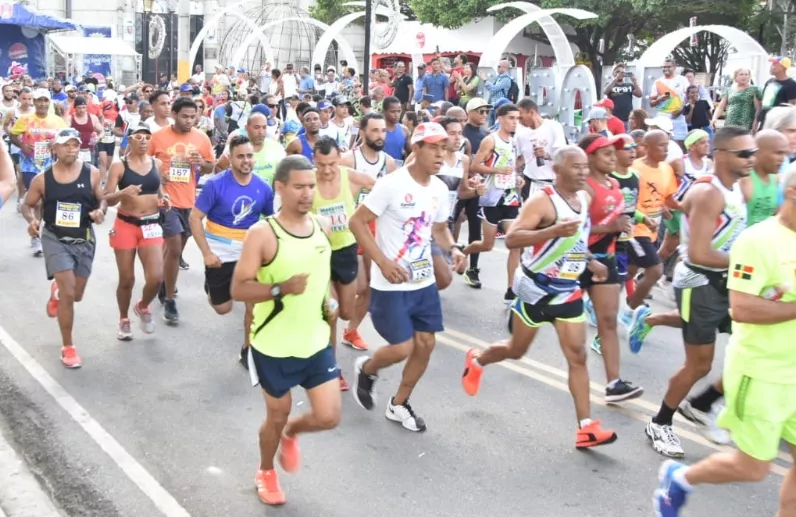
column 692, row 23
column 97, row 63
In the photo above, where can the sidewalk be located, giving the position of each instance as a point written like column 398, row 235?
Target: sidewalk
column 20, row 492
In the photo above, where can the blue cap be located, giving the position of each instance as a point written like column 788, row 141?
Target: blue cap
column 261, row 108
column 291, row 126
column 241, row 70
column 428, row 97
column 185, row 88
column 502, row 102
column 323, row 105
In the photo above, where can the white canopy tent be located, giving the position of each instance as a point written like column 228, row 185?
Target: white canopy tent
column 69, row 47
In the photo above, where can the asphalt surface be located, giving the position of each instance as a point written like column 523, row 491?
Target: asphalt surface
column 183, row 408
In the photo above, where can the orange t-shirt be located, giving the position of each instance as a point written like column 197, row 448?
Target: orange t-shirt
column 654, row 187
column 173, row 150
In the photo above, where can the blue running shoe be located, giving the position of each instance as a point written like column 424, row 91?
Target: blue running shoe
column 596, row 345
column 625, row 315
column 670, row 497
column 588, row 310
column 638, row 329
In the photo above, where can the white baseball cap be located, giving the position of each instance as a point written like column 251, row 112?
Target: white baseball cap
column 41, row 93
column 430, row 132
column 662, row 122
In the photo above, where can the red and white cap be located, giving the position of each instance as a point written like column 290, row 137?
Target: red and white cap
column 429, row 132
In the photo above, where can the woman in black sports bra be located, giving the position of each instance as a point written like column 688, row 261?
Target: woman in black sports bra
column 134, row 184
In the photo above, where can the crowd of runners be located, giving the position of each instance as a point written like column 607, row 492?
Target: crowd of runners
column 361, row 216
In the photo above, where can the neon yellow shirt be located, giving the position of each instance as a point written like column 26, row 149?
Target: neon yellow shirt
column 338, row 211
column 759, row 268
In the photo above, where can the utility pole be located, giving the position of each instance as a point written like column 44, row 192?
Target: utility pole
column 366, row 59
column 183, row 40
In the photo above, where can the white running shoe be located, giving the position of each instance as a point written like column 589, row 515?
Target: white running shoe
column 706, row 422
column 664, row 441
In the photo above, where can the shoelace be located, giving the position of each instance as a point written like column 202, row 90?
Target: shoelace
column 124, row 326
column 408, row 408
column 668, row 435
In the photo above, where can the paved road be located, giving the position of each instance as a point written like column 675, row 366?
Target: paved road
column 169, row 421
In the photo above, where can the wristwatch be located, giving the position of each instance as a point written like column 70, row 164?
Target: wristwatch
column 276, row 291
column 459, row 247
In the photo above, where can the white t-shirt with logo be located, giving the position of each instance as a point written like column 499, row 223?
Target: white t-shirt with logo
column 406, row 211
column 550, row 136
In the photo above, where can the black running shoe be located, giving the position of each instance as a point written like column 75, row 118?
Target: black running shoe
column 243, row 357
column 623, row 390
column 471, row 276
column 170, row 313
column 363, row 385
column 184, row 265
column 509, row 296
column 162, row 294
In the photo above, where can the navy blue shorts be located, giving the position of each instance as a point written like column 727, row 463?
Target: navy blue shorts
column 27, row 178
column 278, row 375
column 397, row 315
column 622, row 262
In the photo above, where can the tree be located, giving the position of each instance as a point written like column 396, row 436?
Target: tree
column 329, row 11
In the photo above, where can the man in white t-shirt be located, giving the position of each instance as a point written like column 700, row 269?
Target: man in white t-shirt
column 668, row 96
column 537, row 139
column 409, row 206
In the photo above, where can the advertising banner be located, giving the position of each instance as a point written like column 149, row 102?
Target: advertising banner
column 22, row 51
column 97, row 63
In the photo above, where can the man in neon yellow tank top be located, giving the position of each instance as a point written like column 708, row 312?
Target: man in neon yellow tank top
column 334, row 201
column 267, row 152
column 284, row 269
column 759, row 366
column 761, row 188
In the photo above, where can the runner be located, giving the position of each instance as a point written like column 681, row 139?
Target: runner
column 342, row 123
column 714, row 215
column 159, row 101
column 335, row 193
column 408, row 206
column 553, row 231
column 267, row 152
column 289, row 288
column 9, row 111
column 137, row 229
column 71, row 195
column 607, row 222
column 33, row 135
column 497, row 158
column 232, row 201
column 89, row 126
column 303, row 145
column 7, row 179
column 397, row 140
column 185, row 152
column 761, row 188
column 759, row 368
column 371, row 159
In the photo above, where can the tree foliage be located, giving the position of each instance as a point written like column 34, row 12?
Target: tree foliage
column 329, row 11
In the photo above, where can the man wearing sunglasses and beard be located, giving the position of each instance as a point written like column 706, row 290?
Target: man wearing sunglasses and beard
column 714, row 214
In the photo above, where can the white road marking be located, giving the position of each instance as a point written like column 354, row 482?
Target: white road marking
column 163, row 500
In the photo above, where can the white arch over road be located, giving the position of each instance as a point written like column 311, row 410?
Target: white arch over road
column 322, row 47
column 213, row 22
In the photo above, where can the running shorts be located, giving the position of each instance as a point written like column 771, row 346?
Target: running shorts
column 536, row 315
column 586, row 279
column 345, row 265
column 62, row 256
column 621, row 261
column 27, row 178
column 704, row 310
column 397, row 315
column 493, row 215
column 128, row 236
column 175, row 222
column 643, row 253
column 372, row 227
column 758, row 414
column 106, row 147
column 278, row 375
column 218, row 283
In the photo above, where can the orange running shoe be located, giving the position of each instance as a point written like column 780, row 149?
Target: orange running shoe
column 471, row 379
column 352, row 338
column 593, row 435
column 343, row 383
column 268, row 489
column 52, row 303
column 70, row 358
column 289, row 453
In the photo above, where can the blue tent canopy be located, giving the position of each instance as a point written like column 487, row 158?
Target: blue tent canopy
column 24, row 17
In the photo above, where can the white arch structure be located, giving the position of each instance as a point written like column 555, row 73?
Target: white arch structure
column 259, row 32
column 745, row 46
column 211, row 24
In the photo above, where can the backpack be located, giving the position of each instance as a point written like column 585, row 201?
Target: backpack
column 514, row 91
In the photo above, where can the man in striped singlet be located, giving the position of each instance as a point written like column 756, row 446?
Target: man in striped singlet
column 552, row 231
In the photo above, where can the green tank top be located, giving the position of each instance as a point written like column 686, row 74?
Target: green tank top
column 266, row 160
column 338, row 211
column 294, row 326
column 763, row 202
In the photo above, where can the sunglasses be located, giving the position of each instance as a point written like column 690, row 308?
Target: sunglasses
column 741, row 153
column 628, row 147
column 272, row 105
column 141, row 137
column 483, row 112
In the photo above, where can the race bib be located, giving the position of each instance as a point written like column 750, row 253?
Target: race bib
column 41, row 151
column 84, row 155
column 67, row 215
column 180, row 172
column 420, row 270
column 108, row 137
column 336, row 215
column 152, row 231
column 362, row 195
column 453, row 197
column 536, row 186
column 574, row 265
column 505, row 181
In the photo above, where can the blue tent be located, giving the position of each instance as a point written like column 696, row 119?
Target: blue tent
column 22, row 16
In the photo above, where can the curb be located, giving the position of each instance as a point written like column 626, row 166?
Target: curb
column 20, row 492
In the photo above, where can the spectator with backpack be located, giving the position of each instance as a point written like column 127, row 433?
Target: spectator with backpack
column 500, row 87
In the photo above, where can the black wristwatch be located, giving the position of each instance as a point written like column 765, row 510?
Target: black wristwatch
column 276, row 291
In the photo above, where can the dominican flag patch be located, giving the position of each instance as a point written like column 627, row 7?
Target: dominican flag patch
column 743, row 272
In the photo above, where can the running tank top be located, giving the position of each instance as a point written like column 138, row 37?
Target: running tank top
column 150, row 182
column 451, row 176
column 86, row 131
column 550, row 272
column 628, row 185
column 294, row 326
column 16, row 115
column 306, row 149
column 374, row 170
column 763, row 202
column 338, row 211
column 501, row 188
column 728, row 226
column 690, row 174
column 605, row 208
column 67, row 205
column 395, row 142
